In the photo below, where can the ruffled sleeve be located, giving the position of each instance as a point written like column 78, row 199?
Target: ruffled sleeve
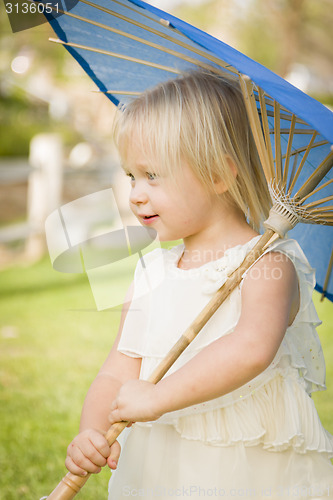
column 301, row 344
column 149, row 273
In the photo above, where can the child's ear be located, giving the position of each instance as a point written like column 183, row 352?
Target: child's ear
column 219, row 184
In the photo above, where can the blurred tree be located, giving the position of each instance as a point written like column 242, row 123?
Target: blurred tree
column 284, row 35
column 30, row 68
column 42, row 88
column 299, row 31
column 33, row 41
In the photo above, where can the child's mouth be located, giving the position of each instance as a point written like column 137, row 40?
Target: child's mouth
column 149, row 219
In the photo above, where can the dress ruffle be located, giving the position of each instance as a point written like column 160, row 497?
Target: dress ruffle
column 279, row 415
column 157, row 463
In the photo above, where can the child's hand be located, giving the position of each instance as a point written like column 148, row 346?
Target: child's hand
column 89, row 452
column 136, row 402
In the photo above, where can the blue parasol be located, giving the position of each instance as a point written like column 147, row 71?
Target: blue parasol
column 127, row 46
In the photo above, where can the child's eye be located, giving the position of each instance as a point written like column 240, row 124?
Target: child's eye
column 151, row 176
column 131, row 176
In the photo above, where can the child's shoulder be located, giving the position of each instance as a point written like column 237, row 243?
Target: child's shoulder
column 291, row 249
column 283, row 258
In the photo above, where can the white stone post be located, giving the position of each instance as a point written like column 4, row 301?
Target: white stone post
column 44, row 188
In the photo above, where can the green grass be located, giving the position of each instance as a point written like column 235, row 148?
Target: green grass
column 324, row 400
column 52, row 342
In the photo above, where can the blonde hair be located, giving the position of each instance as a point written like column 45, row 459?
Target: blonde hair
column 201, row 118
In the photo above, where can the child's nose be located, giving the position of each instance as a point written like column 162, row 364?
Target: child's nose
column 138, row 194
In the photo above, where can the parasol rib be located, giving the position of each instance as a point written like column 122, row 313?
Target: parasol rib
column 319, row 202
column 293, row 170
column 297, row 131
column 316, row 190
column 156, row 46
column 277, row 141
column 288, row 153
column 118, row 56
column 196, row 51
column 120, row 92
column 304, row 148
column 306, row 153
column 314, row 179
column 179, row 55
column 142, row 14
column 251, row 107
column 284, row 116
column 327, row 210
column 265, row 124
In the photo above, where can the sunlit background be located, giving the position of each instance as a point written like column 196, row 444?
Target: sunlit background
column 43, row 90
column 52, row 339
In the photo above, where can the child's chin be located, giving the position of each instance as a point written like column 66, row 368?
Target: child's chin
column 167, row 238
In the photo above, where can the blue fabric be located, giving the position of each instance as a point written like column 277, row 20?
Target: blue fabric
column 142, row 20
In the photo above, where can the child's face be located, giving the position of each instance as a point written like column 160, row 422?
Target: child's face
column 176, row 210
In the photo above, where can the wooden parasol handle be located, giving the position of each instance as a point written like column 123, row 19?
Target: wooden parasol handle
column 71, row 484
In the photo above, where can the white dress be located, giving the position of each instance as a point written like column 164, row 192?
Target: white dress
column 263, row 440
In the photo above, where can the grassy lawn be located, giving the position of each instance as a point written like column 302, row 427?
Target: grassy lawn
column 52, row 342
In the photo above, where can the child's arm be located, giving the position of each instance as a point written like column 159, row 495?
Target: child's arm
column 270, row 300
column 89, row 450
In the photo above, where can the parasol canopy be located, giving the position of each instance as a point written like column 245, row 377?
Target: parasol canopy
column 127, row 46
